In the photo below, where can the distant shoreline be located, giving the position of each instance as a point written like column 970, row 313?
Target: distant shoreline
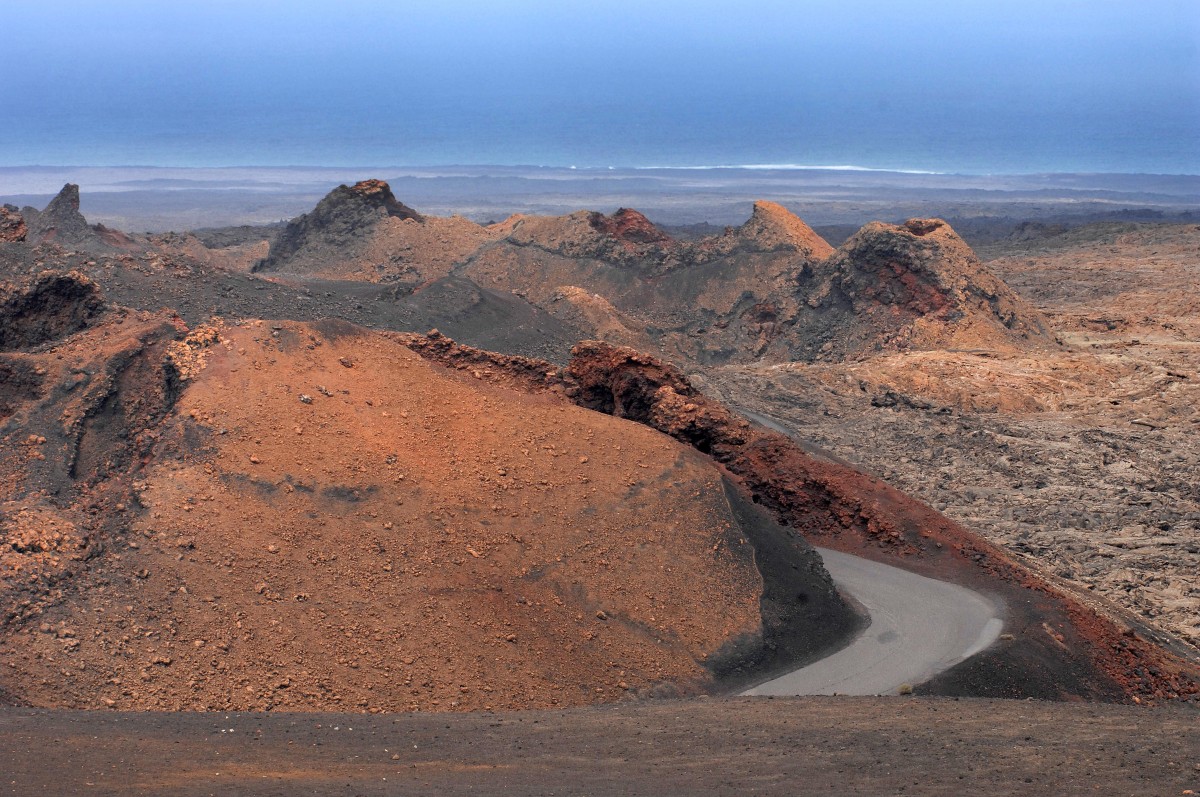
column 159, row 198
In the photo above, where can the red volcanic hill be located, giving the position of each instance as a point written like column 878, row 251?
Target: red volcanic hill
column 316, row 516
column 915, row 286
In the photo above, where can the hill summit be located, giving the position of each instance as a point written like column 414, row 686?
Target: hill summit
column 912, row 286
column 363, row 232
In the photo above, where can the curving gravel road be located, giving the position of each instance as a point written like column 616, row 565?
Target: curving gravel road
column 918, row 627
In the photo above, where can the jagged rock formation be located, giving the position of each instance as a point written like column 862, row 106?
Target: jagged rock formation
column 364, row 232
column 714, row 300
column 12, row 225
column 916, row 286
column 769, row 290
column 60, row 223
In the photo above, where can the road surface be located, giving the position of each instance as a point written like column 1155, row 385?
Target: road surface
column 918, row 627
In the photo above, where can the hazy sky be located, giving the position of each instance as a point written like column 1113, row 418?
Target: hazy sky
column 135, row 75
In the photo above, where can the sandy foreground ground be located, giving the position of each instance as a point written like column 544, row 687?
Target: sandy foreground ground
column 766, row 746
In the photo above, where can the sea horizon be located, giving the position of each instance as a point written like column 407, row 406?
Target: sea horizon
column 160, row 198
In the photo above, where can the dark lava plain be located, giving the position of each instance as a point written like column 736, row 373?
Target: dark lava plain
column 734, row 746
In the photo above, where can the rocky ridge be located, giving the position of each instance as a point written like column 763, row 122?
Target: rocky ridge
column 769, row 290
column 723, row 297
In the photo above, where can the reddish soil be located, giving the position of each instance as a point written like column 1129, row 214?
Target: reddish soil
column 314, row 516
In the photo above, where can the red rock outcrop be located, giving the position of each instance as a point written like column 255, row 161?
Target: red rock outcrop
column 628, row 226
column 914, row 286
column 1060, row 648
column 12, row 225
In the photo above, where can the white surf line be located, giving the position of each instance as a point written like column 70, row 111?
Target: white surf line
column 918, row 627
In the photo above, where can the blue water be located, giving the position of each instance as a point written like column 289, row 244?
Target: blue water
column 921, row 138
column 1016, row 87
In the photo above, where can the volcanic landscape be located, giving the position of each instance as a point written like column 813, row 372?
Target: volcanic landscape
column 379, row 461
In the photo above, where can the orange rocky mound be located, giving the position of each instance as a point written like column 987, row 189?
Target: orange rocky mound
column 327, row 520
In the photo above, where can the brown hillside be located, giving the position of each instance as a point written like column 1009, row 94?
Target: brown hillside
column 727, row 297
column 314, row 516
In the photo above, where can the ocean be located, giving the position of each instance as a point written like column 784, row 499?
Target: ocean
column 939, row 86
column 922, row 135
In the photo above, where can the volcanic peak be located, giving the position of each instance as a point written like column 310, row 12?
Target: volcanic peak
column 377, row 193
column 340, row 227
column 925, row 256
column 628, row 225
column 61, row 221
column 916, row 285
column 772, row 226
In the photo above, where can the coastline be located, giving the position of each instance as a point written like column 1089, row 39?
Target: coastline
column 158, row 198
